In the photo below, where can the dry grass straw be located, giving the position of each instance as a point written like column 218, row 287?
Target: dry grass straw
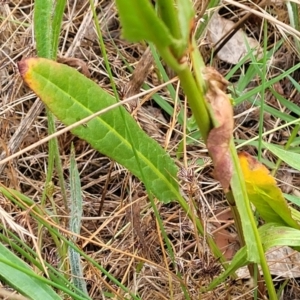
column 126, row 223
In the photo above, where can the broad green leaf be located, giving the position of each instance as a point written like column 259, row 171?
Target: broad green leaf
column 140, row 22
column 168, row 14
column 22, row 282
column 264, row 193
column 72, row 97
column 273, row 234
column 292, row 159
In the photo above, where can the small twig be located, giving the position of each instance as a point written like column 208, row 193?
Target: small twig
column 11, row 295
column 112, row 163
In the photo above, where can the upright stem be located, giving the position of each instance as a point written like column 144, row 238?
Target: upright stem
column 196, row 101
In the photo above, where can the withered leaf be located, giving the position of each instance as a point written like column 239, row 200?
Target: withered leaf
column 138, row 77
column 75, row 63
column 222, row 116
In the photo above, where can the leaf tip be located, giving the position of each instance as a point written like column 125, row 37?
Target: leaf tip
column 245, row 155
column 26, row 65
column 251, row 162
column 23, row 67
column 254, row 171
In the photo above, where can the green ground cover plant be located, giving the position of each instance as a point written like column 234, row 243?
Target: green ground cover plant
column 262, row 216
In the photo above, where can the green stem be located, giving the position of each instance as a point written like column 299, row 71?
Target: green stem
column 168, row 14
column 196, row 101
column 56, row 25
column 263, row 90
column 236, row 217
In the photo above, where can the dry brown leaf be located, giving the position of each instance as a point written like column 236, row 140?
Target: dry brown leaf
column 138, row 77
column 226, row 241
column 236, row 48
column 219, row 137
column 75, row 63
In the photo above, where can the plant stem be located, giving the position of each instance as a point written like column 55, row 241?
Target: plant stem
column 196, row 101
column 168, row 14
column 263, row 90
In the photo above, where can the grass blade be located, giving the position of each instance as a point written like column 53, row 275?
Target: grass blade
column 292, row 159
column 24, row 283
column 75, row 224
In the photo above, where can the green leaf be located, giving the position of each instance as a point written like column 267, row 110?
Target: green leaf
column 273, row 234
column 287, row 103
column 178, row 19
column 246, row 217
column 48, row 16
column 56, row 25
column 292, row 159
column 72, row 97
column 75, row 196
column 239, row 260
column 249, row 94
column 140, row 22
column 75, row 224
column 168, row 14
column 43, row 27
column 185, row 15
column 22, row 282
column 292, row 198
column 264, row 193
column 40, row 215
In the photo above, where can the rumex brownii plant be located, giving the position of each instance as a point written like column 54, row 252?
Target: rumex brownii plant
column 111, row 130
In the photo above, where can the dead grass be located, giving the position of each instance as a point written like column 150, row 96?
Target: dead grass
column 117, row 213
